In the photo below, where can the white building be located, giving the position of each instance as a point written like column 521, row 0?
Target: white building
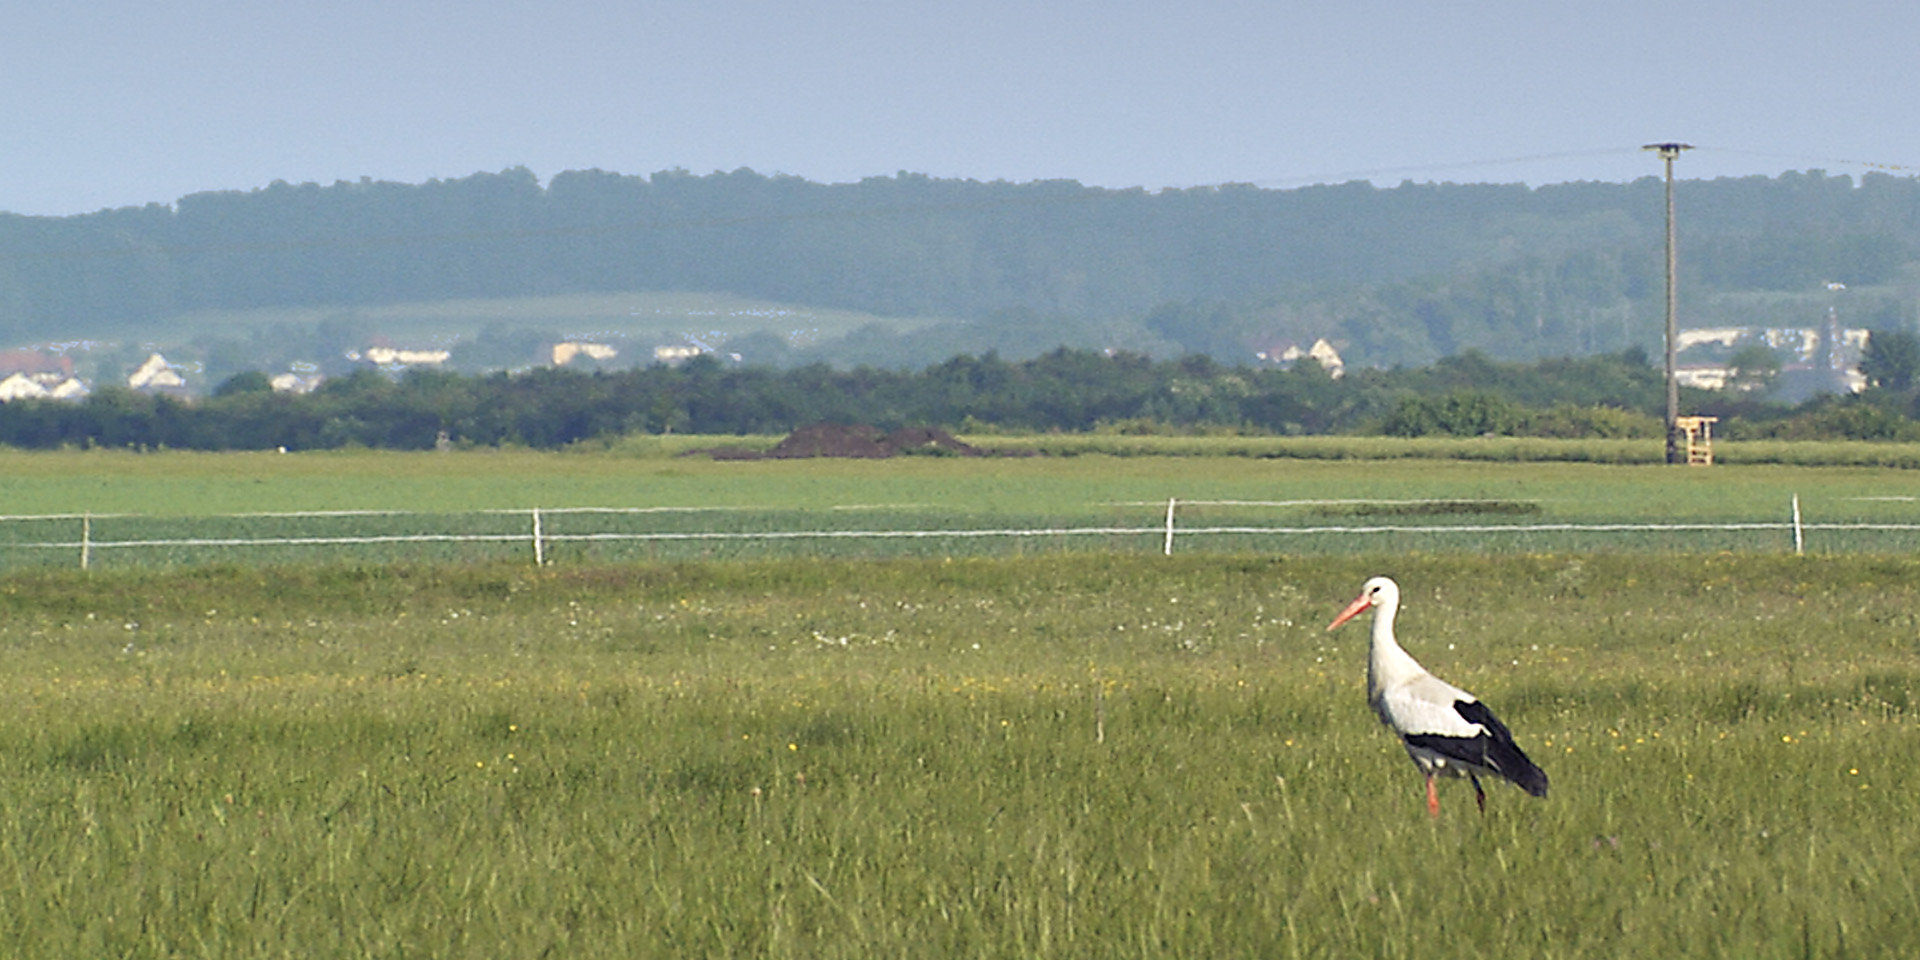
column 396, row 357
column 295, row 382
column 563, row 353
column 673, row 355
column 156, row 374
column 72, row 388
column 1321, row 352
column 19, row 386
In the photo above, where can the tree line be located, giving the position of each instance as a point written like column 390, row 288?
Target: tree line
column 1608, row 395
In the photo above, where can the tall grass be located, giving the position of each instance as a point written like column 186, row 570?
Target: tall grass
column 1063, row 756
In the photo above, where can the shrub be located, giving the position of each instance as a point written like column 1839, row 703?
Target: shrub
column 1462, row 413
column 1567, row 421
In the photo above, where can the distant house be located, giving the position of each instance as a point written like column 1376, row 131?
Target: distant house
column 19, row 386
column 397, row 357
column 1819, row 358
column 295, row 382
column 675, row 354
column 156, row 374
column 72, row 388
column 564, row 353
column 1723, row 336
column 1321, row 352
column 1703, row 376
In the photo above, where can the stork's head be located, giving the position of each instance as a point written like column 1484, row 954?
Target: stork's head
column 1375, row 593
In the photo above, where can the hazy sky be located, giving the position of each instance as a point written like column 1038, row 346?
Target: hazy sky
column 126, row 102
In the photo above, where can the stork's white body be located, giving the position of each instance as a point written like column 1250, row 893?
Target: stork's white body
column 1446, row 730
column 1411, row 700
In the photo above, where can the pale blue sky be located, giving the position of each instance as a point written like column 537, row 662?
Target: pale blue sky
column 116, row 102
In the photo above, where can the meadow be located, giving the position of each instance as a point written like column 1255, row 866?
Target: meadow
column 645, row 502
column 1060, row 754
column 636, row 321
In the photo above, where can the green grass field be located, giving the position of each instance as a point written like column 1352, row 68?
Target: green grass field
column 1068, row 753
column 651, row 474
column 639, row 320
column 1065, row 756
column 133, row 498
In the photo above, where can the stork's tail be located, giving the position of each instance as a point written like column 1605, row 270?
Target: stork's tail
column 1503, row 756
column 1522, row 771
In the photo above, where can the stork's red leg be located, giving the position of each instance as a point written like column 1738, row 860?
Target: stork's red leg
column 1433, row 797
column 1479, row 795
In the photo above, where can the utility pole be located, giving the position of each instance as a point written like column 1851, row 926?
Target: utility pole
column 1668, row 151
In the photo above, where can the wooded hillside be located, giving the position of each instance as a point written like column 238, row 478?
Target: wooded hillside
column 1395, row 276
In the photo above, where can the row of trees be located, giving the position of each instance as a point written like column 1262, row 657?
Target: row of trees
column 1400, row 276
column 1065, row 390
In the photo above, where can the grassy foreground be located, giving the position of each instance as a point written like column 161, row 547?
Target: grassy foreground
column 1073, row 756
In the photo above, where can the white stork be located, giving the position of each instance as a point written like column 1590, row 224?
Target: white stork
column 1446, row 730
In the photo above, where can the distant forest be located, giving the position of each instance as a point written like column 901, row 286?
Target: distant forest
column 1395, row 277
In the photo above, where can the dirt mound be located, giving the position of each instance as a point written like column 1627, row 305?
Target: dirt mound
column 833, row 440
column 856, row 441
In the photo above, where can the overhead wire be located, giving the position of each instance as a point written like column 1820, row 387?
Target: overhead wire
column 1803, row 158
column 1426, row 168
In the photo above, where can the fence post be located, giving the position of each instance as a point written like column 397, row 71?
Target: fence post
column 86, row 539
column 539, row 549
column 1166, row 549
column 1799, row 539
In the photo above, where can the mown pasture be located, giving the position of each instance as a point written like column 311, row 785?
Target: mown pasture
column 1077, row 481
column 1056, row 756
column 477, row 506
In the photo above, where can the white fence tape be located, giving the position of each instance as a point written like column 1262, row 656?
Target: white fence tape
column 542, row 534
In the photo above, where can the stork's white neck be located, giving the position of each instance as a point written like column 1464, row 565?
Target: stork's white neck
column 1388, row 664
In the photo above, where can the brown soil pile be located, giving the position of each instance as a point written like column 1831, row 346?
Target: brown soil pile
column 856, row 441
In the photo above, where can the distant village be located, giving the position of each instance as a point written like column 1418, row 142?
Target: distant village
column 1812, row 360
column 38, row 374
column 49, row 374
column 1820, row 359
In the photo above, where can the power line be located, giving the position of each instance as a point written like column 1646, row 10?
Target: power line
column 1803, row 158
column 1369, row 174
column 1619, row 152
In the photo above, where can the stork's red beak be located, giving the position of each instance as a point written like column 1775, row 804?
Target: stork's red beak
column 1353, row 609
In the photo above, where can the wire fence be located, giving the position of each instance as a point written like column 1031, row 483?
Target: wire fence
column 613, row 534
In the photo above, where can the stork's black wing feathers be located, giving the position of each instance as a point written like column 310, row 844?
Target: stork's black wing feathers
column 1470, row 751
column 1492, row 749
column 1499, row 753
